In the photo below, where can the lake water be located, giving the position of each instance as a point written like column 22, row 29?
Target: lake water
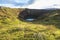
column 31, row 19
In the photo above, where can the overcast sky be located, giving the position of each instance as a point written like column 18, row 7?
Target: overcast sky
column 32, row 4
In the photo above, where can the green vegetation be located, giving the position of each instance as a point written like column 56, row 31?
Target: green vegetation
column 11, row 28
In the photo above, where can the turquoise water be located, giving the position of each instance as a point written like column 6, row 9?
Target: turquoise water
column 31, row 19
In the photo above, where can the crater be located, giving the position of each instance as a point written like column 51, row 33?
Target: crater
column 33, row 14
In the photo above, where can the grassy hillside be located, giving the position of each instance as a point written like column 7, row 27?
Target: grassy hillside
column 12, row 28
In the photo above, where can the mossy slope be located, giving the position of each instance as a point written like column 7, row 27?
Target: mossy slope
column 11, row 28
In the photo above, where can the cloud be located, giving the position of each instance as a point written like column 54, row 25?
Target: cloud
column 31, row 4
column 42, row 4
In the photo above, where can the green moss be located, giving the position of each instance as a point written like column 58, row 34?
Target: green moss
column 11, row 28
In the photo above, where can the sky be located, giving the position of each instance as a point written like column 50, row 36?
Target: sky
column 31, row 4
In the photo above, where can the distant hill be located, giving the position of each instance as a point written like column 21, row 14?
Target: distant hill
column 38, row 13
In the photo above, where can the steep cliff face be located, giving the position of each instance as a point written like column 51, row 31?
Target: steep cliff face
column 38, row 13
